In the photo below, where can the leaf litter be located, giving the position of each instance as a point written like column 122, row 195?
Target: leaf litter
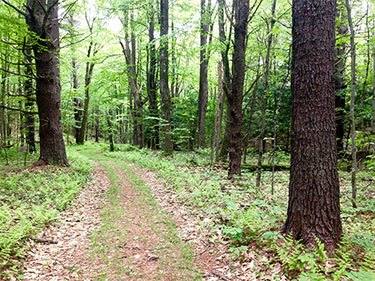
column 143, row 252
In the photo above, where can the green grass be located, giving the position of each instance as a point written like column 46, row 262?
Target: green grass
column 30, row 200
column 106, row 241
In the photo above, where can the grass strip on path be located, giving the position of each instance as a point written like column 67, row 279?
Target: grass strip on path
column 137, row 239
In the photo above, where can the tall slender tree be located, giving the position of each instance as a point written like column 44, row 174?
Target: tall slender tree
column 340, row 84
column 30, row 101
column 165, row 99
column 235, row 96
column 264, row 99
column 227, row 82
column 203, row 71
column 352, row 103
column 92, row 50
column 151, row 79
column 314, row 207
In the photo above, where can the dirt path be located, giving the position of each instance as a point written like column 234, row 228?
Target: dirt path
column 125, row 226
column 69, row 259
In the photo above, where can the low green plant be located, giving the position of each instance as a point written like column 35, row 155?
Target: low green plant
column 248, row 218
column 30, row 200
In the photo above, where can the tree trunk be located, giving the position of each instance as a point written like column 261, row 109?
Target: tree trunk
column 165, row 99
column 264, row 96
column 110, row 133
column 91, row 51
column 151, row 83
column 314, row 195
column 203, row 71
column 218, row 117
column 77, row 104
column 135, row 93
column 3, row 110
column 373, row 96
column 339, row 86
column 97, row 124
column 42, row 18
column 362, row 93
column 29, row 105
column 352, row 104
column 226, row 80
column 241, row 11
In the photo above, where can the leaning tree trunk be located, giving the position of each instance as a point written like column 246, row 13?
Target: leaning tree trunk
column 42, row 19
column 314, row 195
column 241, row 10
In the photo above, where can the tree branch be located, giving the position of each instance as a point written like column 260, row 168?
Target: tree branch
column 17, row 109
column 15, row 8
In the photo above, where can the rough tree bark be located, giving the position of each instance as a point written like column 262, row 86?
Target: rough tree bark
column 165, row 99
column 42, row 18
column 235, row 96
column 314, row 207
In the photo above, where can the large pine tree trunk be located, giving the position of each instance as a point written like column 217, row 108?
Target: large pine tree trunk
column 44, row 22
column 314, row 207
column 241, row 10
column 165, row 99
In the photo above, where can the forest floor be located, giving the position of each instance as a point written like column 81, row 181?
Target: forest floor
column 134, row 214
column 125, row 225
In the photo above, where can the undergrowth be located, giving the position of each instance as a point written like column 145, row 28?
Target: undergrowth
column 30, row 199
column 250, row 218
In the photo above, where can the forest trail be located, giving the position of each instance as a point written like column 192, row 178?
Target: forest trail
column 124, row 225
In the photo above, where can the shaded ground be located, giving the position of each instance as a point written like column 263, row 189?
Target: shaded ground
column 125, row 226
